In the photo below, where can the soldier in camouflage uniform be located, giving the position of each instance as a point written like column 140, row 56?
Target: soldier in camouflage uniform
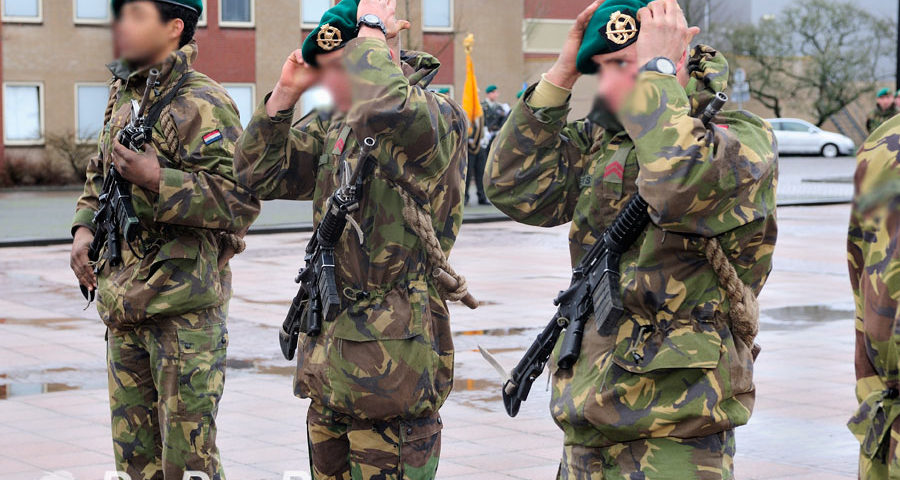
column 884, row 110
column 874, row 261
column 165, row 305
column 659, row 397
column 380, row 371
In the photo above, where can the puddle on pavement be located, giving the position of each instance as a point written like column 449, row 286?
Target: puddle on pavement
column 260, row 366
column 11, row 390
column 55, row 323
column 802, row 316
column 20, row 386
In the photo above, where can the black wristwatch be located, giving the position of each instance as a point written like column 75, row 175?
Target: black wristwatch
column 372, row 21
column 661, row 65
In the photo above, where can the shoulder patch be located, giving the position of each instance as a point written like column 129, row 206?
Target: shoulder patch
column 212, row 137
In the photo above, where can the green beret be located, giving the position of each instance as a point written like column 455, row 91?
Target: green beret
column 883, row 92
column 444, row 91
column 491, row 88
column 337, row 27
column 195, row 5
column 521, row 92
column 897, row 94
column 613, row 27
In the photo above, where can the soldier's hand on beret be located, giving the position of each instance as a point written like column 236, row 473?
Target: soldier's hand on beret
column 384, row 9
column 141, row 169
column 664, row 32
column 296, row 78
column 563, row 73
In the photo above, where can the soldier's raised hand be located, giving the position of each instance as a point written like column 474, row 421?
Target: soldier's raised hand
column 296, row 78
column 664, row 32
column 563, row 72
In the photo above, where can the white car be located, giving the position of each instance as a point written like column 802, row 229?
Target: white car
column 799, row 136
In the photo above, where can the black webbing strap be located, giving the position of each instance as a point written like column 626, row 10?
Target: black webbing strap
column 157, row 108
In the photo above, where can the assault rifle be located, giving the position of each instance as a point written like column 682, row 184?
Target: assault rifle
column 116, row 215
column 318, row 299
column 594, row 292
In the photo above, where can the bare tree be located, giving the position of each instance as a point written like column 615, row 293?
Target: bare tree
column 827, row 51
column 74, row 153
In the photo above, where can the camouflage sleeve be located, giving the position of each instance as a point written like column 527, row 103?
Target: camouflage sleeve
column 277, row 161
column 421, row 130
column 694, row 186
column 88, row 202
column 873, row 254
column 536, row 163
column 203, row 192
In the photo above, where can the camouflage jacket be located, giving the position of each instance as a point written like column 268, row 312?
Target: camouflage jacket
column 197, row 199
column 389, row 353
column 874, row 260
column 672, row 367
column 877, row 117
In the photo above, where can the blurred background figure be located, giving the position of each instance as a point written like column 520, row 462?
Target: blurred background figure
column 884, row 110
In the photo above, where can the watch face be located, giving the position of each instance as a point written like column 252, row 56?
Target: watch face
column 371, row 18
column 665, row 66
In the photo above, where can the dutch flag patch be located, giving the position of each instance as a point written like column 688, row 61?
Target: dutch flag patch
column 212, row 137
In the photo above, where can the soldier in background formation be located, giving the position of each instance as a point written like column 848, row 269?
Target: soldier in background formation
column 635, row 405
column 884, row 110
column 378, row 374
column 166, row 301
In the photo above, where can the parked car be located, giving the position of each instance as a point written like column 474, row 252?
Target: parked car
column 799, row 136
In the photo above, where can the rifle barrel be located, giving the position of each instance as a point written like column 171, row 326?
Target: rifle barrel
column 152, row 78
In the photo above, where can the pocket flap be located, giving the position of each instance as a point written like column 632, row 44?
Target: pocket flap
column 682, row 347
column 395, row 314
column 204, row 339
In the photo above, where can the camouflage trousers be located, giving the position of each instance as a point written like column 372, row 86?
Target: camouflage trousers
column 345, row 448
column 704, row 458
column 165, row 382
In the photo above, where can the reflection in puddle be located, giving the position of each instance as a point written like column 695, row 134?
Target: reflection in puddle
column 22, row 389
column 802, row 316
column 55, row 323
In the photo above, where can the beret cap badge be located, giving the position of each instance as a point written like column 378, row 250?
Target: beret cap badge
column 621, row 28
column 329, row 38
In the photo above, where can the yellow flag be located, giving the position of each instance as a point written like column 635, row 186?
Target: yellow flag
column 470, row 102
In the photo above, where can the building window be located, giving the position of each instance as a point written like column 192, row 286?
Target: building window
column 91, row 11
column 22, row 11
column 311, row 11
column 23, row 113
column 202, row 21
column 546, row 35
column 437, row 15
column 244, row 96
column 90, row 107
column 316, row 97
column 236, row 13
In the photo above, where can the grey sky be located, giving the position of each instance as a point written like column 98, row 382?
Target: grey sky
column 763, row 7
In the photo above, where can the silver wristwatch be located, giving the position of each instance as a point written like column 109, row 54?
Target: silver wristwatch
column 661, row 65
column 372, row 21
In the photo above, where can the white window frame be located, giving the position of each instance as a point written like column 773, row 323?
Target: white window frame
column 85, row 141
column 525, row 47
column 250, row 24
column 27, row 143
column 202, row 21
column 38, row 19
column 253, row 100
column 91, row 21
column 311, row 26
column 450, row 29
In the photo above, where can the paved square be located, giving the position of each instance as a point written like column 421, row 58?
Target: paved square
column 54, row 411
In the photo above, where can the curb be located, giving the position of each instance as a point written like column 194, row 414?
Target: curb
column 298, row 228
column 307, row 227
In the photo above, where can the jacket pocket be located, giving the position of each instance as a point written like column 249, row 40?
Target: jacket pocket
column 646, row 350
column 201, row 368
column 383, row 365
column 183, row 276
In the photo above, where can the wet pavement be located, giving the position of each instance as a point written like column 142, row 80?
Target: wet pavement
column 53, row 401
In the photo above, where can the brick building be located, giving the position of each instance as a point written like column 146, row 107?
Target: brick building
column 53, row 52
